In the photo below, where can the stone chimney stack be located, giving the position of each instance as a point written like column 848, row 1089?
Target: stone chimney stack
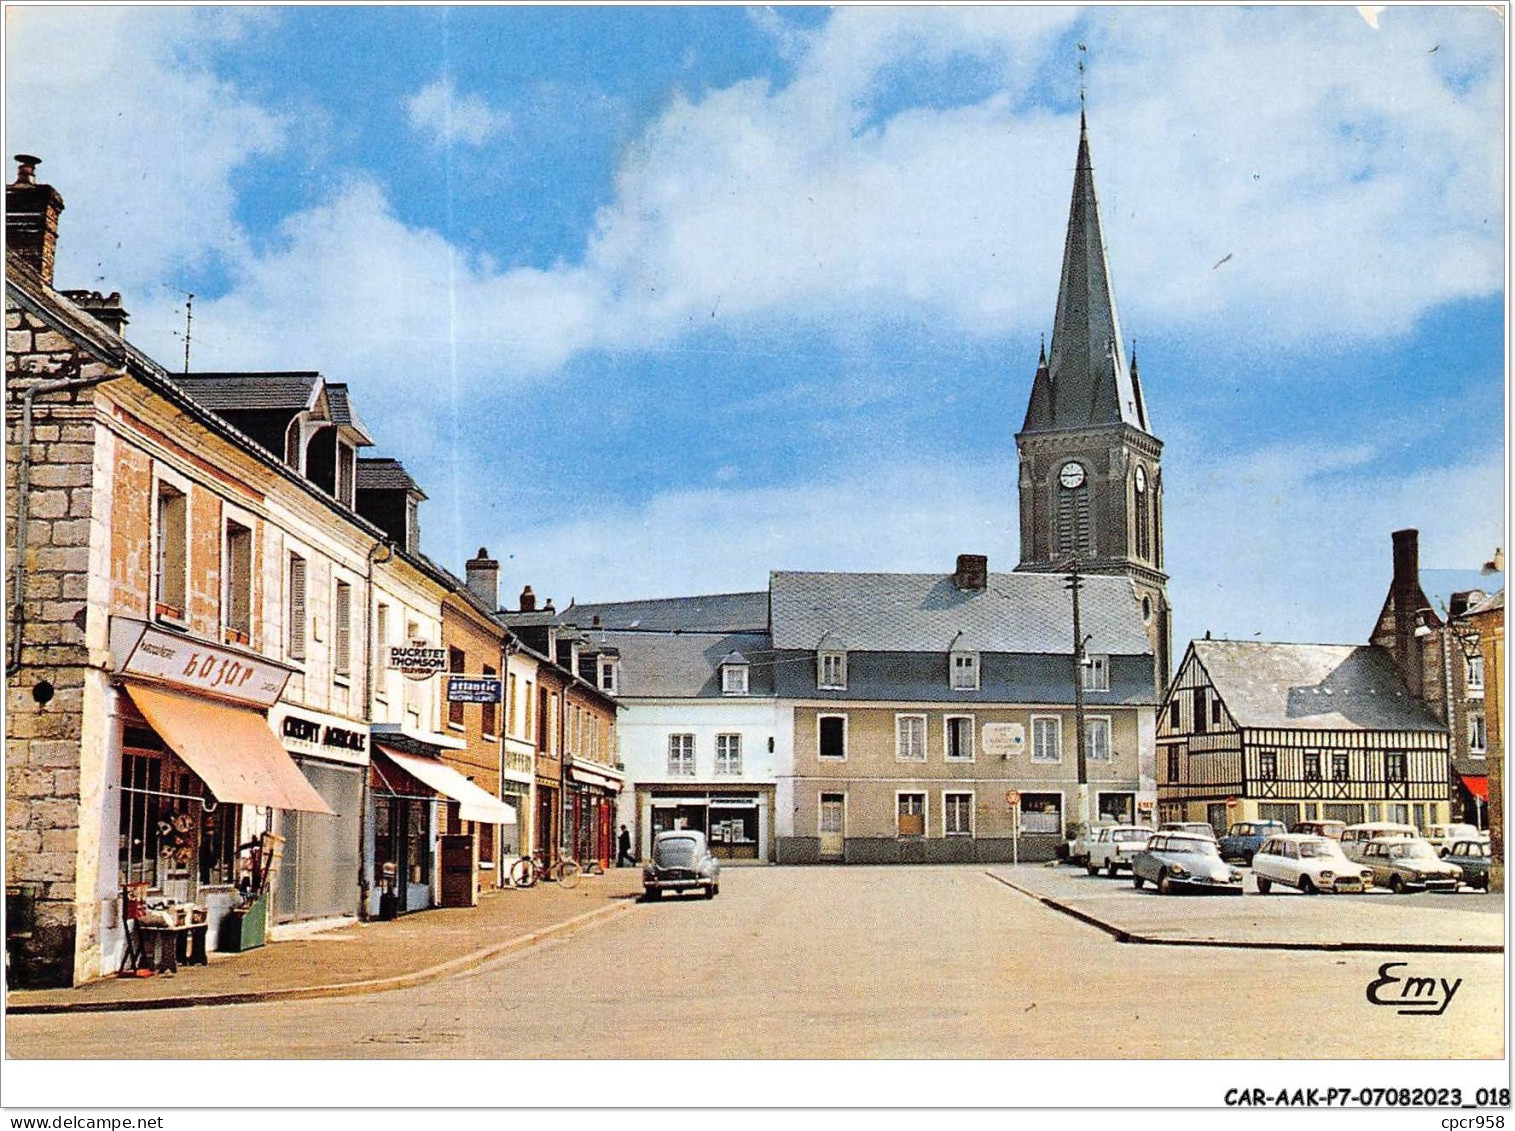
column 31, row 217
column 103, row 308
column 528, row 600
column 484, row 579
column 972, row 573
column 1406, row 594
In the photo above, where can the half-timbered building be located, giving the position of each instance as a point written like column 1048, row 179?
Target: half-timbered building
column 1295, row 732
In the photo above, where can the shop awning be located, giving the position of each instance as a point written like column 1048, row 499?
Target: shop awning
column 1478, row 785
column 581, row 773
column 474, row 803
column 231, row 748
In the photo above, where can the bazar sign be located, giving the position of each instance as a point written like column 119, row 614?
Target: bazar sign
column 197, row 665
column 417, row 659
column 1003, row 739
column 471, row 689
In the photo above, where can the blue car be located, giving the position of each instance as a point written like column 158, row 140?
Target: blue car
column 1246, row 837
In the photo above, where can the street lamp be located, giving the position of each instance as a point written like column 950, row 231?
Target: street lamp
column 1080, row 661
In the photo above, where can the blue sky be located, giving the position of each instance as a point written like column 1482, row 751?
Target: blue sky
column 653, row 301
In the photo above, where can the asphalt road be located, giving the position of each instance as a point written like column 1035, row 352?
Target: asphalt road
column 938, row 962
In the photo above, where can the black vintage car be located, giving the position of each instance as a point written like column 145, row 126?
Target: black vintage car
column 681, row 861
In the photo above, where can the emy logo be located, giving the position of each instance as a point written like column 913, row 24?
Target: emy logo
column 1412, row 996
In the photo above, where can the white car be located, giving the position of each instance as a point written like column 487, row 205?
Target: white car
column 1442, row 837
column 1115, row 847
column 1190, row 828
column 1078, row 847
column 1309, row 863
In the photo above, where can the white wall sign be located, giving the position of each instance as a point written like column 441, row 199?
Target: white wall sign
column 417, row 660
column 1003, row 740
column 196, row 665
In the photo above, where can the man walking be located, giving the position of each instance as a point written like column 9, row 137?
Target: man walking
column 623, row 858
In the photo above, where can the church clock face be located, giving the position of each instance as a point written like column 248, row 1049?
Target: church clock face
column 1141, row 478
column 1072, row 475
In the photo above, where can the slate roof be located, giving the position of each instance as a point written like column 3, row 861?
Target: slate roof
column 715, row 612
column 339, row 405
column 381, row 473
column 241, row 392
column 1492, row 603
column 1087, row 380
column 1312, row 686
column 925, row 612
column 686, row 665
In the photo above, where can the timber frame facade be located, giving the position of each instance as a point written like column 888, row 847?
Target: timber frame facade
column 1213, row 767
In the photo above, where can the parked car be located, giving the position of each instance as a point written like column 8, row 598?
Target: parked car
column 1442, row 837
column 1078, row 847
column 681, row 861
column 1409, row 863
column 1356, row 838
column 1245, row 837
column 1190, row 828
column 1473, row 857
column 1309, row 863
column 1114, row 847
column 1332, row 829
column 1175, row 861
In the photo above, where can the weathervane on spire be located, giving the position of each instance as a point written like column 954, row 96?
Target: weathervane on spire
column 1083, row 50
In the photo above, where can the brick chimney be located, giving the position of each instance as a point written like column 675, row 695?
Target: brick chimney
column 31, row 217
column 484, row 579
column 103, row 308
column 972, row 573
column 528, row 600
column 1405, row 590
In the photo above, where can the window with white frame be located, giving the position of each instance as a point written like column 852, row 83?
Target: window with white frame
column 1046, row 738
column 171, row 555
column 607, row 676
column 957, row 814
column 910, row 738
column 959, row 737
column 341, row 663
column 728, row 755
column 831, row 671
column 1096, row 673
column 346, row 472
column 965, row 671
column 1475, row 673
column 831, row 736
column 733, row 679
column 1097, row 739
column 681, row 755
column 1478, row 735
column 236, row 583
column 911, row 814
column 296, row 615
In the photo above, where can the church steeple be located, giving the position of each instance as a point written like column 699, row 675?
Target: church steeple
column 1089, row 380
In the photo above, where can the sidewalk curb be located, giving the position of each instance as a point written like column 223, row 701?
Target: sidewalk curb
column 1120, row 934
column 337, row 989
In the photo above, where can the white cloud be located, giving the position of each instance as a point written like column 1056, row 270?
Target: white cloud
column 439, row 111
column 137, row 135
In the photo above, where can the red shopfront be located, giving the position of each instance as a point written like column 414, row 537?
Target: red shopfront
column 589, row 813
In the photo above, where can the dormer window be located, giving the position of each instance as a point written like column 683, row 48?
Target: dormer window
column 831, row 671
column 346, row 472
column 734, row 674
column 964, row 671
column 1096, row 673
column 609, row 681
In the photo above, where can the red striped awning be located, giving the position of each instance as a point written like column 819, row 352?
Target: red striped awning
column 1478, row 785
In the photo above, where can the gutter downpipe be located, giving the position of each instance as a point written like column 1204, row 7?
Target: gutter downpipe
column 23, row 490
column 364, row 887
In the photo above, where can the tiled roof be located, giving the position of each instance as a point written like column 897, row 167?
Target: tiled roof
column 1312, row 686
column 716, row 612
column 380, row 473
column 686, row 665
column 234, row 392
column 339, row 404
column 1439, row 584
column 925, row 612
column 1492, row 603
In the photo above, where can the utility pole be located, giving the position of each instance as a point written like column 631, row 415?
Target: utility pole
column 1074, row 583
column 189, row 321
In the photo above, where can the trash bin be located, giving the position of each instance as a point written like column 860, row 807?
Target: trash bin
column 21, row 909
column 244, row 927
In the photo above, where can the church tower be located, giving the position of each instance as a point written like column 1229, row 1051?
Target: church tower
column 1091, row 484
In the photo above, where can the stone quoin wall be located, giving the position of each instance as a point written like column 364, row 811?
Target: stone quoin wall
column 42, row 741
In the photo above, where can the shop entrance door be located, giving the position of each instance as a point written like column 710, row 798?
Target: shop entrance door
column 321, row 853
column 833, row 825
column 460, row 872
